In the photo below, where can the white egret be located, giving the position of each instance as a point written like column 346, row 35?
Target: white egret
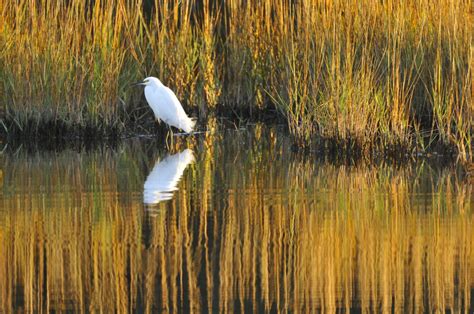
column 165, row 105
column 164, row 178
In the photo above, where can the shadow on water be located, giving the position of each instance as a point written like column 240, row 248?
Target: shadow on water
column 239, row 222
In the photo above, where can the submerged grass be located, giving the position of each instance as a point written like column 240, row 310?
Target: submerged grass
column 386, row 72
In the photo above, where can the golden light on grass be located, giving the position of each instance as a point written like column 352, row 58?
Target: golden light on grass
column 396, row 73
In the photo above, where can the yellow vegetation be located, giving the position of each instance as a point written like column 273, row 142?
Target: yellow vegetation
column 390, row 72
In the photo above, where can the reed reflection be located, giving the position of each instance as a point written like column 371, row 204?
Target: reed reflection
column 164, row 177
column 256, row 229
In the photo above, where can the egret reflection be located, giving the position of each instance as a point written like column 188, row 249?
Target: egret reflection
column 164, row 177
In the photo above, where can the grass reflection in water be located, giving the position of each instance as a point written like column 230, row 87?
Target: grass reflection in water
column 254, row 228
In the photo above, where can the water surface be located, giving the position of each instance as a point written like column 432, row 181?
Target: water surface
column 228, row 223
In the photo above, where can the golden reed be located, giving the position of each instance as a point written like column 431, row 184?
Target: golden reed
column 388, row 72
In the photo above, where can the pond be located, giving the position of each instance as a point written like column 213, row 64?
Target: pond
column 229, row 222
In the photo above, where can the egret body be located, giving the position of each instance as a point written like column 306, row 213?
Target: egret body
column 165, row 105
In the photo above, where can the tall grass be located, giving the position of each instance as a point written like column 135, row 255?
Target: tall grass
column 368, row 71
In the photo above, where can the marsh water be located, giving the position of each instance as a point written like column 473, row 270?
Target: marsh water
column 231, row 222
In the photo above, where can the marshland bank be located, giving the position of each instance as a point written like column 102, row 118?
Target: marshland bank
column 367, row 75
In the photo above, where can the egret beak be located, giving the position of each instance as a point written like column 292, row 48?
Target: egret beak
column 138, row 84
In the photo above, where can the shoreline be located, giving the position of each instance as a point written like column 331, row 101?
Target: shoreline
column 50, row 138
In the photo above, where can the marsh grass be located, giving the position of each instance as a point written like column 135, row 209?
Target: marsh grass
column 387, row 72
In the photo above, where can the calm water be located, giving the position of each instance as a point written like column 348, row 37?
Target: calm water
column 228, row 223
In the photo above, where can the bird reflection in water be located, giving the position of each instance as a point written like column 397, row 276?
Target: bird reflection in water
column 164, row 177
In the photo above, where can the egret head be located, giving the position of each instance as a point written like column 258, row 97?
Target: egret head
column 148, row 81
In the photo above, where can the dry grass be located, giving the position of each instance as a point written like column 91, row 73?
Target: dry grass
column 389, row 72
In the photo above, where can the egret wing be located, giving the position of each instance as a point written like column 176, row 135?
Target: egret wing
column 167, row 107
column 170, row 107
